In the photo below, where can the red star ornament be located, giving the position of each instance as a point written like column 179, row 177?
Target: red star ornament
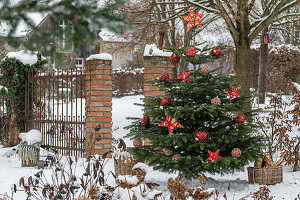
column 184, row 76
column 213, row 155
column 234, row 92
column 171, row 123
column 192, row 19
column 192, row 51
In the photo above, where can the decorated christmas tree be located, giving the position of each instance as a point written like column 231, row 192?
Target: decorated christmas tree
column 202, row 124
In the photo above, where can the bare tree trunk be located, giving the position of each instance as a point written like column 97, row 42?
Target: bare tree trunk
column 295, row 167
column 242, row 66
column 263, row 58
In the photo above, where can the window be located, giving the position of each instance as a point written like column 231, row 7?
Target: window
column 79, row 62
column 64, row 36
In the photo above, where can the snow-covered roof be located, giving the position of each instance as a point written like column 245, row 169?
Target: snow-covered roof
column 152, row 50
column 25, row 57
column 101, row 56
column 22, row 28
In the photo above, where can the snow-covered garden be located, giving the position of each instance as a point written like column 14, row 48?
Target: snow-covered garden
column 235, row 185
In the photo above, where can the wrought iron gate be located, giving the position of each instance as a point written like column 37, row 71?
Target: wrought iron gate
column 55, row 105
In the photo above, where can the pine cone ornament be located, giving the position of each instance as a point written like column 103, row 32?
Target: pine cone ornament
column 201, row 135
column 137, row 143
column 176, row 157
column 236, row 152
column 240, row 118
column 216, row 52
column 165, row 102
column 204, row 69
column 164, row 77
column 174, row 58
column 145, row 121
column 216, row 101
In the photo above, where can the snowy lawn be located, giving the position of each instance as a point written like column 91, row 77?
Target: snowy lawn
column 11, row 171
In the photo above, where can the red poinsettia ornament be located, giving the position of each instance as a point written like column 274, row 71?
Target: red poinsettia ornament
column 216, row 101
column 236, row 152
column 192, row 19
column 240, row 118
column 165, row 102
column 184, row 76
column 164, row 77
column 170, row 123
column 174, row 58
column 233, row 92
column 213, row 155
column 191, row 51
column 201, row 135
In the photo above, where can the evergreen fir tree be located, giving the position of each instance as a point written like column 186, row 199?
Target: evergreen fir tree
column 87, row 17
column 212, row 126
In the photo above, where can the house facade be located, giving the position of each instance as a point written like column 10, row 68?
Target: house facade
column 67, row 56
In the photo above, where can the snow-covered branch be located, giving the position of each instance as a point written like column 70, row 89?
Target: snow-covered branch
column 258, row 25
column 202, row 6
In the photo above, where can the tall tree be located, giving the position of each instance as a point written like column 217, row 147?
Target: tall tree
column 238, row 16
column 287, row 18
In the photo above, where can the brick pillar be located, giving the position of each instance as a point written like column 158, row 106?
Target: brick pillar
column 154, row 67
column 98, row 104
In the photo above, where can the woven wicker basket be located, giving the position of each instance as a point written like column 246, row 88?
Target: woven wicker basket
column 123, row 166
column 265, row 176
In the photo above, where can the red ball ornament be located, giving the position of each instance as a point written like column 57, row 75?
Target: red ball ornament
column 204, row 69
column 216, row 101
column 174, row 58
column 236, row 152
column 216, row 52
column 240, row 118
column 137, row 143
column 164, row 77
column 145, row 121
column 165, row 102
column 175, row 158
column 201, row 135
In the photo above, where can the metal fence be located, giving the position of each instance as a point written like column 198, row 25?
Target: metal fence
column 55, row 105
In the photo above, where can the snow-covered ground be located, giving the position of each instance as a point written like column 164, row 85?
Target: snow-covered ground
column 11, row 171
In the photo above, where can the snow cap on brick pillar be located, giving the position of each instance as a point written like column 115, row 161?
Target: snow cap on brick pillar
column 156, row 62
column 98, row 105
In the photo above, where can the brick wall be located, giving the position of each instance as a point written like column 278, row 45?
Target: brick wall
column 154, row 67
column 98, row 106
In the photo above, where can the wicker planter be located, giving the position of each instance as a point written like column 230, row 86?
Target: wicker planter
column 123, row 162
column 29, row 155
column 265, row 176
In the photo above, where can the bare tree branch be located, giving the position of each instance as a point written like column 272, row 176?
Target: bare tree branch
column 282, row 6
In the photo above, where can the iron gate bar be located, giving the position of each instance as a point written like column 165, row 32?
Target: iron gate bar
column 59, row 90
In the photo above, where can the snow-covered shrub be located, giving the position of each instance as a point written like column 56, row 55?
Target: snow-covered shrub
column 262, row 193
column 63, row 182
column 128, row 82
column 279, row 122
